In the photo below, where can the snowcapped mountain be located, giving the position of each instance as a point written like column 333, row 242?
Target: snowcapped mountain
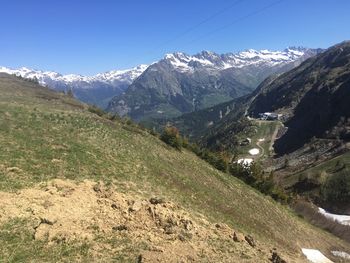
column 45, row 77
column 181, row 83
column 189, row 81
column 98, row 89
column 210, row 60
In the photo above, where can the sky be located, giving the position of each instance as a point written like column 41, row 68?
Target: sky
column 91, row 36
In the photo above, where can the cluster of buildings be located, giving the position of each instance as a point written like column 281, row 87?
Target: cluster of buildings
column 270, row 116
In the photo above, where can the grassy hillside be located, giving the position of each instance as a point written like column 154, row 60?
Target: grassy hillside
column 46, row 136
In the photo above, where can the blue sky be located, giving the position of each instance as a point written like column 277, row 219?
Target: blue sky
column 87, row 37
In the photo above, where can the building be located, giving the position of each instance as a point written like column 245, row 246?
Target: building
column 269, row 116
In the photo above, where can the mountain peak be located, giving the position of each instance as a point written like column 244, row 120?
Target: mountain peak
column 51, row 77
column 211, row 60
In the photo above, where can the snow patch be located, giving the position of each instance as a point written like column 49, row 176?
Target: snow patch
column 341, row 254
column 246, row 161
column 315, row 256
column 254, row 151
column 51, row 78
column 210, row 60
column 342, row 219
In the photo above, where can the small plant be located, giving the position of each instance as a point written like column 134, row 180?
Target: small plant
column 171, row 136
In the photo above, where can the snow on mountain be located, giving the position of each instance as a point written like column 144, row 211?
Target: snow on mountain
column 50, row 78
column 179, row 61
column 98, row 89
column 101, row 88
column 206, row 59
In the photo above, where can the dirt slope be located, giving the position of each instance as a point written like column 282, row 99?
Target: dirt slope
column 158, row 230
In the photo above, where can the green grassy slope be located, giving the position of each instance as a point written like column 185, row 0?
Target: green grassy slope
column 46, row 135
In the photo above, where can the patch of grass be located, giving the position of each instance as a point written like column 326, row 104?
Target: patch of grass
column 18, row 245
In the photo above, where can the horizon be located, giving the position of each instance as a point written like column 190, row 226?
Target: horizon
column 144, row 64
column 90, row 37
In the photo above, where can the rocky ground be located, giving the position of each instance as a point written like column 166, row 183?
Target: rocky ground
column 65, row 211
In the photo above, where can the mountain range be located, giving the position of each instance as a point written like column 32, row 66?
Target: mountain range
column 176, row 84
column 312, row 98
column 98, row 89
column 181, row 83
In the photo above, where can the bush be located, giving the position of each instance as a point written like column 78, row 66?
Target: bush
column 171, row 136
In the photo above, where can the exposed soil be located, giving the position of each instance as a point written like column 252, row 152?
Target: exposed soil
column 64, row 211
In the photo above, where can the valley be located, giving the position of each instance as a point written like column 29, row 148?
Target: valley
column 175, row 131
column 215, row 203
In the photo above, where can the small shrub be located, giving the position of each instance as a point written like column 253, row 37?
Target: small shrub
column 171, row 136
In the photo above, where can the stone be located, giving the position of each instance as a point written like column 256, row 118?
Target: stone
column 120, row 228
column 136, row 206
column 156, row 200
column 276, row 258
column 238, row 237
column 250, row 240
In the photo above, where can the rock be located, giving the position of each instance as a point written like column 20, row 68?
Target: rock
column 120, row 228
column 151, row 211
column 182, row 238
column 102, row 191
column 238, row 237
column 169, row 230
column 43, row 228
column 136, row 206
column 217, row 225
column 250, row 240
column 187, row 224
column 47, row 221
column 42, row 232
column 185, row 236
column 276, row 258
column 97, row 188
column 156, row 249
column 156, row 200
